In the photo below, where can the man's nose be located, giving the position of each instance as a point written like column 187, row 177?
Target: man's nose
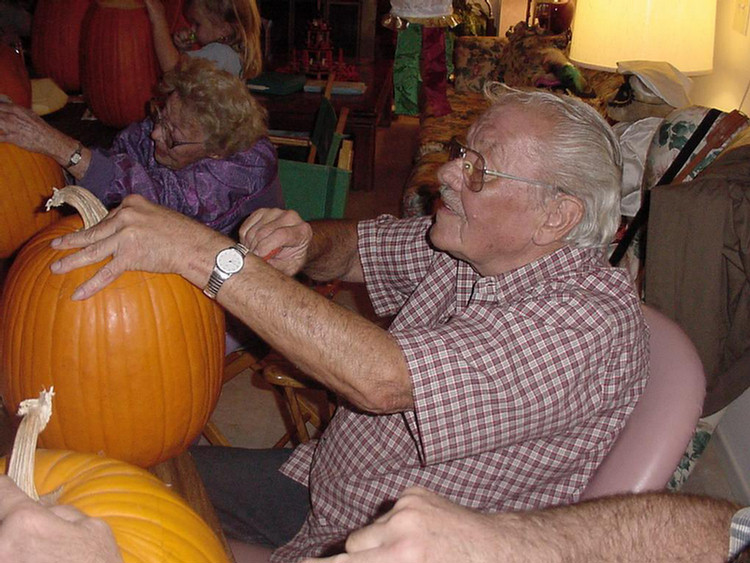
column 451, row 174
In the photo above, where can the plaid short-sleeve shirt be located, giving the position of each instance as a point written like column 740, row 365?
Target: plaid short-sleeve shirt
column 521, row 383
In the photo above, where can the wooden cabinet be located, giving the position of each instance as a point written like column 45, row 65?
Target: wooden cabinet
column 353, row 25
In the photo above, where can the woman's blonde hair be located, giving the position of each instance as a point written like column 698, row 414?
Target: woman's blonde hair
column 219, row 102
column 244, row 17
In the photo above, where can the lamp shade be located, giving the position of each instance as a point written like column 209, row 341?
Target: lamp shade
column 680, row 32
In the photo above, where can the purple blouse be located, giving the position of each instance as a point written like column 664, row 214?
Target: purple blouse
column 220, row 193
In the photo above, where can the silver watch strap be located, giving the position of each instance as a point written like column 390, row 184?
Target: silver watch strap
column 215, row 281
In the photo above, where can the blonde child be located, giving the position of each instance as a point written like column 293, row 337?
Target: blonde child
column 226, row 32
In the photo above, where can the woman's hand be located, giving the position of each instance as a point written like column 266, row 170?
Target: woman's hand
column 140, row 235
column 22, row 127
column 184, row 39
column 267, row 230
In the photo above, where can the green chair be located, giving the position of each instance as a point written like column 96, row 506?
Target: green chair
column 323, row 143
column 315, row 191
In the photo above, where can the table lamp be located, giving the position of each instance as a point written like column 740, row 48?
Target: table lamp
column 680, row 32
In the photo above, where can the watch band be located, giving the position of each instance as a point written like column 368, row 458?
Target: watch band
column 75, row 158
column 218, row 276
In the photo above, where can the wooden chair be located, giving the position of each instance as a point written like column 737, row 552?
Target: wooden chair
column 315, row 191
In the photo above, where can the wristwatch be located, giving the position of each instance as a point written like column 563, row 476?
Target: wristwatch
column 228, row 262
column 75, row 158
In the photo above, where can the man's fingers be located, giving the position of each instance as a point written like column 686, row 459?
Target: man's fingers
column 11, row 497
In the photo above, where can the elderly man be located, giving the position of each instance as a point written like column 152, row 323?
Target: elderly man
column 514, row 360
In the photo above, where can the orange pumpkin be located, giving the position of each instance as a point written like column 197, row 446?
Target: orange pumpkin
column 14, row 79
column 136, row 368
column 150, row 523
column 119, row 69
column 27, row 180
column 55, row 35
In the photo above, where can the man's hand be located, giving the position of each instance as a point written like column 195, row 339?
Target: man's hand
column 269, row 229
column 32, row 533
column 140, row 235
column 423, row 528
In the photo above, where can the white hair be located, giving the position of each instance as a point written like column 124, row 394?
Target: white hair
column 580, row 153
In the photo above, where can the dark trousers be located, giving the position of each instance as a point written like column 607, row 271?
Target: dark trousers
column 253, row 500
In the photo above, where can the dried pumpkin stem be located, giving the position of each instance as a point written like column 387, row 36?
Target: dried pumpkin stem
column 87, row 204
column 35, row 413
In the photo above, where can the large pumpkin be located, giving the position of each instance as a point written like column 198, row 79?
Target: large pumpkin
column 55, row 35
column 14, row 79
column 151, row 524
column 26, row 180
column 136, row 368
column 119, row 70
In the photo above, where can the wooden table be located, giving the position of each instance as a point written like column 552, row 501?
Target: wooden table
column 296, row 112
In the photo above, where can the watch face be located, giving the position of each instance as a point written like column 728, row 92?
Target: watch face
column 230, row 260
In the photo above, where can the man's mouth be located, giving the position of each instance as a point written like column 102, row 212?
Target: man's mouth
column 451, row 201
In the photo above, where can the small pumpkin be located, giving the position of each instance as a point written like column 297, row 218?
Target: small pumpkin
column 55, row 36
column 26, row 180
column 150, row 523
column 119, row 70
column 14, row 78
column 137, row 367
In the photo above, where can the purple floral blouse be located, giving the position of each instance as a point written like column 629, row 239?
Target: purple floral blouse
column 220, row 193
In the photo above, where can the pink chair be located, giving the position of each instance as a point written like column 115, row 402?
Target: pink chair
column 655, row 437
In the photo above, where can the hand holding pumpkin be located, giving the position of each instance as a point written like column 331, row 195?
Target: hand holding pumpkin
column 30, row 532
column 140, row 235
column 25, row 129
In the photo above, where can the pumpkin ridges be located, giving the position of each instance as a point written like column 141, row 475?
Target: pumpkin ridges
column 55, row 40
column 26, row 178
column 70, row 430
column 139, row 508
column 118, row 43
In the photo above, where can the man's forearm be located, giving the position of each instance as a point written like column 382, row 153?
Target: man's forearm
column 333, row 252
column 658, row 527
column 344, row 351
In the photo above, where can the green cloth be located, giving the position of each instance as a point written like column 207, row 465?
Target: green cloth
column 406, row 75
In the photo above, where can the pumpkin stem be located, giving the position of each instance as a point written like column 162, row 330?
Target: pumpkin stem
column 35, row 413
column 87, row 204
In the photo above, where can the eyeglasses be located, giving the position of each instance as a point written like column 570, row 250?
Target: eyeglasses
column 156, row 112
column 474, row 168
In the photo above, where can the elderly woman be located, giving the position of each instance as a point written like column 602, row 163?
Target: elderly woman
column 202, row 152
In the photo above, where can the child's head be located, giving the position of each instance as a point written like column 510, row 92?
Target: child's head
column 234, row 22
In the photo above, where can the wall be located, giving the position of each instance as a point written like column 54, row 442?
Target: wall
column 725, row 86
column 512, row 12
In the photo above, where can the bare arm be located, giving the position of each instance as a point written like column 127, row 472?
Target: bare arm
column 166, row 52
column 655, row 527
column 347, row 353
column 23, row 128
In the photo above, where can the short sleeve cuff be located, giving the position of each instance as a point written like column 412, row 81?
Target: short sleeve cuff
column 739, row 533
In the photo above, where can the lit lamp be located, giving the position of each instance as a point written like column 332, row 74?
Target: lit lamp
column 679, row 32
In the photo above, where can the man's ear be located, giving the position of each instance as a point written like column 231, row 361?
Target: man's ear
column 563, row 214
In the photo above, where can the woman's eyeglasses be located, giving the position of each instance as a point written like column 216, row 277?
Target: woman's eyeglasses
column 156, row 112
column 474, row 168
